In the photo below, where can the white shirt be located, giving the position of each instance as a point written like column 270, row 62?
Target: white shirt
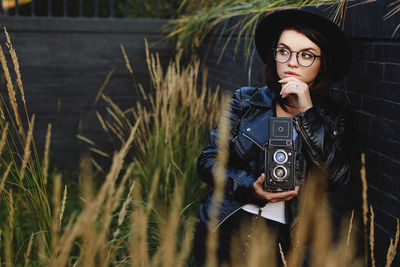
column 271, row 211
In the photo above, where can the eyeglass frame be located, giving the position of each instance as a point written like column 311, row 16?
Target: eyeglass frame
column 297, row 56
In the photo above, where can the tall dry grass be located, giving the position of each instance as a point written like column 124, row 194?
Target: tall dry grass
column 143, row 213
column 22, row 173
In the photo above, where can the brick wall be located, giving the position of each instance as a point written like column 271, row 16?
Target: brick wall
column 64, row 62
column 373, row 88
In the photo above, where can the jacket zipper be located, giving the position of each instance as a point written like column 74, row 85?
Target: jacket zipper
column 251, row 139
column 227, row 217
column 300, row 130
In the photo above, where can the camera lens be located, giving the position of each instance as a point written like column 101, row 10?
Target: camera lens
column 280, row 156
column 279, row 172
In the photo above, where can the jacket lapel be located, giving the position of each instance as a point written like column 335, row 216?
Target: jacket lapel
column 256, row 128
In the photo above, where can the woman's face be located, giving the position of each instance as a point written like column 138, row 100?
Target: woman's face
column 295, row 41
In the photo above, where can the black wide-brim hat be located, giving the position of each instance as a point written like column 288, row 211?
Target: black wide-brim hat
column 338, row 47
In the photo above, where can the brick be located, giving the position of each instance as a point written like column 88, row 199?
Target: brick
column 388, row 51
column 383, row 182
column 361, row 121
column 363, row 69
column 385, row 90
column 392, row 73
column 383, row 163
column 361, row 49
column 384, row 145
column 346, row 96
column 381, row 108
column 389, row 128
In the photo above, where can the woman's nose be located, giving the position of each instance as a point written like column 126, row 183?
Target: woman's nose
column 293, row 60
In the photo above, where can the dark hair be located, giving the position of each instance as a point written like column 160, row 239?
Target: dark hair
column 319, row 90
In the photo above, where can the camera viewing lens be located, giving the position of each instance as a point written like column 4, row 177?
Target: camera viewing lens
column 279, row 172
column 280, row 156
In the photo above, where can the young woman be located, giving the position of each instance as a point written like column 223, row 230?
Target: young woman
column 303, row 53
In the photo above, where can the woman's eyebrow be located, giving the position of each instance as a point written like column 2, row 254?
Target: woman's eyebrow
column 307, row 48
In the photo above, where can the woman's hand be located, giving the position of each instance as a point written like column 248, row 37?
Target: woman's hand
column 301, row 99
column 271, row 196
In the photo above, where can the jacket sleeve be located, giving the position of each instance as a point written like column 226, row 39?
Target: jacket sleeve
column 326, row 142
column 239, row 183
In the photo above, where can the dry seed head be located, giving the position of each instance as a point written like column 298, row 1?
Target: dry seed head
column 56, row 210
column 1, row 109
column 27, row 148
column 170, row 232
column 96, row 165
column 85, row 139
column 127, row 63
column 372, row 235
column 11, row 213
column 103, row 86
column 138, row 245
column 365, row 206
column 186, row 242
column 5, row 175
column 3, row 139
column 391, row 253
column 121, row 187
column 115, row 117
column 123, row 210
column 111, row 127
column 101, row 121
column 153, row 191
column 63, row 204
column 28, row 251
column 46, row 153
column 350, row 227
column 11, row 92
column 16, row 66
column 101, row 153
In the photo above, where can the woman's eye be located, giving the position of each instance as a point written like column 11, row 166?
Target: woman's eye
column 306, row 55
column 283, row 51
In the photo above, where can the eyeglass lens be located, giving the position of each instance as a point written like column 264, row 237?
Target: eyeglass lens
column 304, row 58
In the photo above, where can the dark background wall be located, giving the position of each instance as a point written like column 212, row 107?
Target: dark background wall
column 64, row 62
column 373, row 88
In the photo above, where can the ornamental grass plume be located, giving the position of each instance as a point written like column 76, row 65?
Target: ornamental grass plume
column 365, row 206
column 46, row 154
column 19, row 161
column 391, row 253
column 372, row 236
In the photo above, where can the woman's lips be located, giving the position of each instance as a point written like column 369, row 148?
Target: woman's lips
column 290, row 73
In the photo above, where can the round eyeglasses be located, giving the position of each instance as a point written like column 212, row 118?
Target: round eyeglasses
column 304, row 58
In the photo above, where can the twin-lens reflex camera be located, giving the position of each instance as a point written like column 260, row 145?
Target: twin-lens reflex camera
column 280, row 155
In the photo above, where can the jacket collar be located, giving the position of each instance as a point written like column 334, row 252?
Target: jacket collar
column 263, row 97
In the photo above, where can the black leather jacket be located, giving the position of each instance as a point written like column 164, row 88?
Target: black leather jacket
column 321, row 143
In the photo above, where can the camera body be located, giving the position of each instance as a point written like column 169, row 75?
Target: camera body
column 280, row 156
